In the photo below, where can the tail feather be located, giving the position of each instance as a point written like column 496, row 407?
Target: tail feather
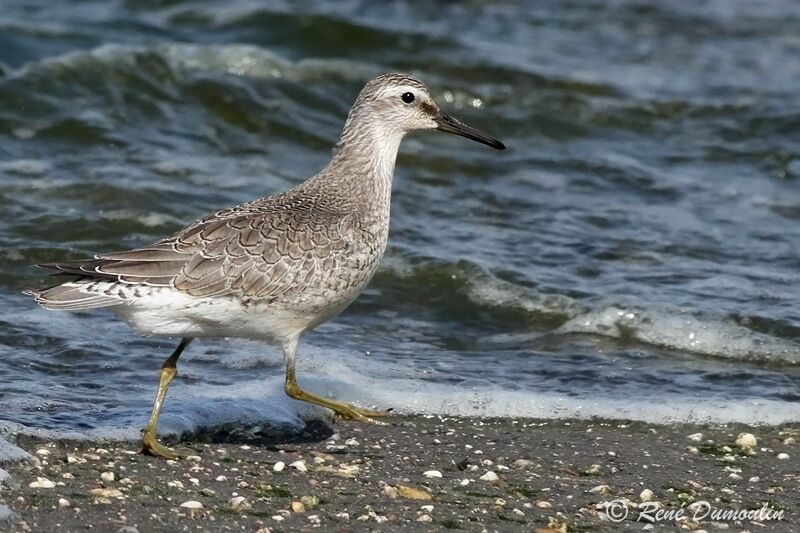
column 72, row 296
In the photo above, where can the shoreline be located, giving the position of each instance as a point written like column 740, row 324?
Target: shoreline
column 420, row 474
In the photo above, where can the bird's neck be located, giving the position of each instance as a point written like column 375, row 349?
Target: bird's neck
column 363, row 163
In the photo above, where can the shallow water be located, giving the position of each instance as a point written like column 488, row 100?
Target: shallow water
column 634, row 253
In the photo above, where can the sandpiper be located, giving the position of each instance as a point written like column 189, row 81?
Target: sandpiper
column 274, row 268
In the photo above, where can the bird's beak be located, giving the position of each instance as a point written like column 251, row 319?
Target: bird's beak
column 445, row 122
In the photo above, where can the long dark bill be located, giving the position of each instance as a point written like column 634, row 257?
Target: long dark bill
column 451, row 125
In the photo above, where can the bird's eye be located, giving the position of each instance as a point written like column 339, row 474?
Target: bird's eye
column 408, row 97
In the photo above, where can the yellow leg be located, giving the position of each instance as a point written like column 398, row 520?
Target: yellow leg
column 150, row 443
column 345, row 410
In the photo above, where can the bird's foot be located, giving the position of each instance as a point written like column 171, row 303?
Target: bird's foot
column 351, row 412
column 151, row 446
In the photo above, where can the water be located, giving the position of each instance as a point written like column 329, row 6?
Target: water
column 633, row 254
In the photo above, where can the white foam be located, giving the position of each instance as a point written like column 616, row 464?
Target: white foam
column 670, row 328
column 683, row 331
column 374, row 384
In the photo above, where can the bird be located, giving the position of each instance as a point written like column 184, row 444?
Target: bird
column 270, row 269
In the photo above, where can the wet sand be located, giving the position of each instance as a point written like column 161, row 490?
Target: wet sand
column 417, row 474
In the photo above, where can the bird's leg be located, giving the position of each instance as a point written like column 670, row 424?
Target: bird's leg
column 345, row 410
column 150, row 443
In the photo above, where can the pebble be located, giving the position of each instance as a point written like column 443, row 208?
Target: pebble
column 310, row 501
column 600, row 489
column 390, row 491
column 464, row 482
column 277, row 518
column 279, row 466
column 646, row 495
column 298, row 507
column 107, row 476
column 63, row 503
column 222, row 478
column 432, row 474
column 788, row 441
column 523, row 462
column 490, row 477
column 238, row 503
column 754, row 479
column 544, row 504
column 192, row 504
column 42, row 483
column 299, row 465
column 695, row 437
column 44, row 452
column 106, row 493
column 746, row 440
column 783, row 456
column 352, row 442
column 425, row 518
column 519, row 512
column 427, row 508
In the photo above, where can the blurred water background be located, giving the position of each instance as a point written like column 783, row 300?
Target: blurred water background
column 633, row 254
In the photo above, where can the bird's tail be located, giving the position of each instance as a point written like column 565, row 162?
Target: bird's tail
column 71, row 296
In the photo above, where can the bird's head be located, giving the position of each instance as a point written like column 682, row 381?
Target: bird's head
column 398, row 104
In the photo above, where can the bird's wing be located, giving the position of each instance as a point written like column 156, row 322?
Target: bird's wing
column 251, row 255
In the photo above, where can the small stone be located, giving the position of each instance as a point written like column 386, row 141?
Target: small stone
column 352, row 442
column 523, row 462
column 238, row 504
column 788, row 441
column 544, row 504
column 734, row 476
column 44, row 452
column 279, row 466
column 427, row 508
column 63, row 503
column 347, row 470
column 782, row 456
column 520, row 512
column 600, row 489
column 500, row 502
column 646, row 495
column 193, row 505
column 464, row 482
column 107, row 476
column 222, row 478
column 342, row 516
column 194, row 458
column 42, row 483
column 695, row 437
column 390, row 491
column 298, row 507
column 425, row 518
column 299, row 465
column 490, row 476
column 729, row 458
column 746, row 440
column 754, row 479
column 310, row 501
column 277, row 518
column 106, row 493
column 413, row 494
column 432, row 474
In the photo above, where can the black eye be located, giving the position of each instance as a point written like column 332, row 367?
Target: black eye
column 408, row 97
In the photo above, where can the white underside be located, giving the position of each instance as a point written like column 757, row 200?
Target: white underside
column 166, row 312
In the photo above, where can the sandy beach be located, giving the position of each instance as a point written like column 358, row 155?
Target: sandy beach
column 420, row 474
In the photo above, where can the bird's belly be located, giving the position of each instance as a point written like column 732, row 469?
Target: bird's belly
column 164, row 311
